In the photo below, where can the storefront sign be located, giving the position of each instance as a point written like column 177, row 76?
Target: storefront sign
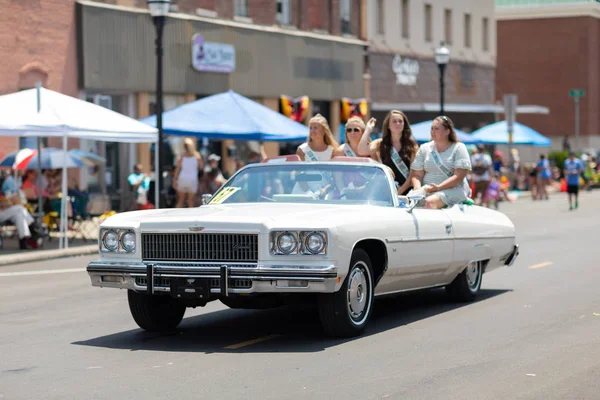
column 212, row 57
column 406, row 70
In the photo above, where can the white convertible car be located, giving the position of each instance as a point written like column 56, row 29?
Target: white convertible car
column 335, row 231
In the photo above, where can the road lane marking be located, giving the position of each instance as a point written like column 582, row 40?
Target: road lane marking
column 541, row 265
column 42, row 272
column 251, row 342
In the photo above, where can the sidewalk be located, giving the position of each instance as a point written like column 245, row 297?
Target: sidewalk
column 11, row 254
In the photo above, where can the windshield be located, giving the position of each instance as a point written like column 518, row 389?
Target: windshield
column 307, row 182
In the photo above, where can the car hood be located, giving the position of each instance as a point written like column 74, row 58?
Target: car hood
column 244, row 216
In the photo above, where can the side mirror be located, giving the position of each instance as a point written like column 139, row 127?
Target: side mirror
column 414, row 200
column 206, row 199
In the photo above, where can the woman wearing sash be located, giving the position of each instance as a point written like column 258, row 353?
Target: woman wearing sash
column 318, row 147
column 441, row 166
column 396, row 148
column 354, row 130
column 320, row 143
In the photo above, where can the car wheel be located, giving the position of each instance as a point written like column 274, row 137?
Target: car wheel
column 155, row 313
column 345, row 313
column 467, row 284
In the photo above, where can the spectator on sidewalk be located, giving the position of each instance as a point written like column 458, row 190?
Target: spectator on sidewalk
column 20, row 217
column 185, row 179
column 543, row 176
column 481, row 164
column 139, row 183
column 573, row 168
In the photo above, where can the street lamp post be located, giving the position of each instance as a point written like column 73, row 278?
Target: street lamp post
column 442, row 56
column 159, row 9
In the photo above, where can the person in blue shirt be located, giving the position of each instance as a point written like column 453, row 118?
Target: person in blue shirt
column 573, row 168
column 140, row 183
column 543, row 176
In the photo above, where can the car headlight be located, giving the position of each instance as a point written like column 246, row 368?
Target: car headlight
column 286, row 243
column 315, row 242
column 111, row 240
column 128, row 241
column 298, row 242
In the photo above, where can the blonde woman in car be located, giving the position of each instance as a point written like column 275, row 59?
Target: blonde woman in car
column 320, row 144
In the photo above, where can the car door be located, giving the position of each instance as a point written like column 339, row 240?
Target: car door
column 420, row 250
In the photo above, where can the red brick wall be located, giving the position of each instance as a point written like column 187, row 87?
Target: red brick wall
column 37, row 41
column 541, row 60
column 262, row 12
column 318, row 14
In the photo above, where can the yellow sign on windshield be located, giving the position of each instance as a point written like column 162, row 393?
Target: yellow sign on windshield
column 224, row 195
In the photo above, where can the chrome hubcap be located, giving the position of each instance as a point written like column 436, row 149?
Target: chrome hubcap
column 473, row 275
column 357, row 293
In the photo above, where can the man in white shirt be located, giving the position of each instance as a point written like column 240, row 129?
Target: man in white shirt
column 481, row 166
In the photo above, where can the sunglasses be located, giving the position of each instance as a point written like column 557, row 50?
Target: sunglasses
column 355, row 129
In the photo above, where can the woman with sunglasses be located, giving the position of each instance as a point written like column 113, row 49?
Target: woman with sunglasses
column 354, row 129
column 441, row 166
column 396, row 148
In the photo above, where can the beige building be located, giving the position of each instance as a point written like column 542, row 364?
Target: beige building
column 403, row 36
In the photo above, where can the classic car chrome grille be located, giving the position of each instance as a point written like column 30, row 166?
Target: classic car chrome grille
column 214, row 283
column 223, row 247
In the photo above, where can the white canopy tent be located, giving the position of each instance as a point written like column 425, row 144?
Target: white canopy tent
column 44, row 113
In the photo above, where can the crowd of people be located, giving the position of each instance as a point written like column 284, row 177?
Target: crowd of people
column 444, row 170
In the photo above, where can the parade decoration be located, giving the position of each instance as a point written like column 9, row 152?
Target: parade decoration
column 353, row 107
column 294, row 108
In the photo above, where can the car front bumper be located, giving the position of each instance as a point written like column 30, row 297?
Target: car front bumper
column 216, row 279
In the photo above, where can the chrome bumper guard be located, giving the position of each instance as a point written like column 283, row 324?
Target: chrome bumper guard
column 512, row 256
column 203, row 279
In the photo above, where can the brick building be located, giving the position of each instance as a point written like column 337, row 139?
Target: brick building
column 103, row 51
column 403, row 36
column 37, row 43
column 544, row 52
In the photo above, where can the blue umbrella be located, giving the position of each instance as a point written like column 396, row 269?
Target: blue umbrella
column 497, row 133
column 230, row 115
column 422, row 133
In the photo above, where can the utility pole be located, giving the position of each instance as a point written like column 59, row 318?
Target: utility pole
column 576, row 94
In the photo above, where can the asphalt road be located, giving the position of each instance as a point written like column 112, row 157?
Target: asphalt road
column 533, row 334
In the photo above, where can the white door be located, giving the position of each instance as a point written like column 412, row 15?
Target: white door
column 419, row 252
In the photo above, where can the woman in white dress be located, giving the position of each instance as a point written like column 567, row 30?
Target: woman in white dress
column 320, row 143
column 185, row 179
column 440, row 167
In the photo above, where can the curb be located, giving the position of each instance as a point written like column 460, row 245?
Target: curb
column 47, row 254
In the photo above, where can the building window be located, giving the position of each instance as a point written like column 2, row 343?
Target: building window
column 405, row 19
column 428, row 23
column 380, row 15
column 448, row 26
column 283, row 12
column 240, row 8
column 486, row 34
column 468, row 31
column 345, row 16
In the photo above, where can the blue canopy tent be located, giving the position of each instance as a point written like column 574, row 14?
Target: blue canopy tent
column 229, row 115
column 497, row 133
column 422, row 133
